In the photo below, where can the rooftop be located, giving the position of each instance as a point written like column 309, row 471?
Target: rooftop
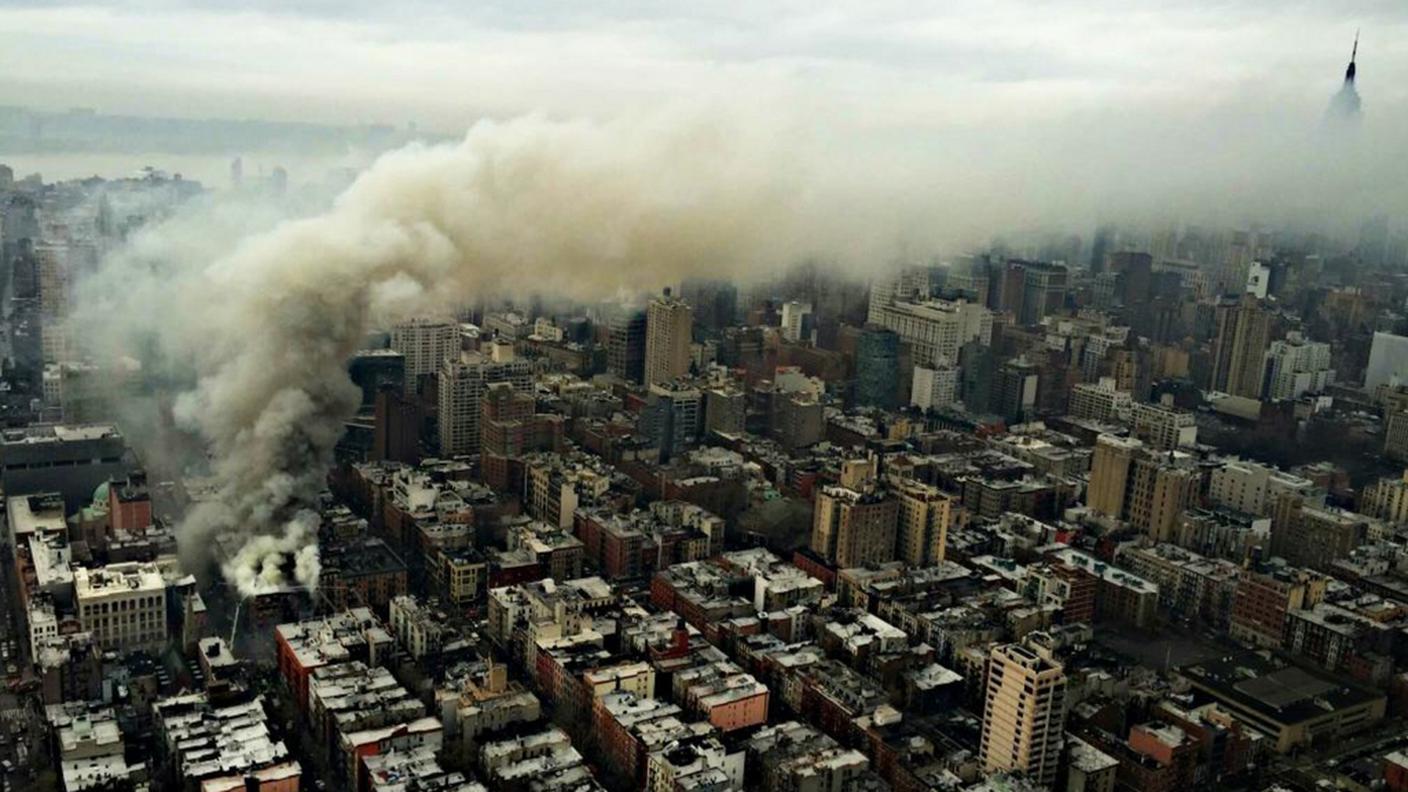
column 1284, row 694
column 131, row 576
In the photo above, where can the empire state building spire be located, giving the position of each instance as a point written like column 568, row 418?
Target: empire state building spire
column 1354, row 53
column 1344, row 105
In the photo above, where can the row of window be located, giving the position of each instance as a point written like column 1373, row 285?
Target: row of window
column 121, row 606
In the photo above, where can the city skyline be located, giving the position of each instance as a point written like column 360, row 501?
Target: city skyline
column 725, row 397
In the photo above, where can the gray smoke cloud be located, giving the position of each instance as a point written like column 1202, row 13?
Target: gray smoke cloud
column 257, row 313
column 265, row 315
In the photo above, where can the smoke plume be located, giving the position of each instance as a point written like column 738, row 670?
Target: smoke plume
column 577, row 209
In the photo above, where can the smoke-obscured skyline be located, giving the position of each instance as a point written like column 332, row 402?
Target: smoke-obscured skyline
column 861, row 138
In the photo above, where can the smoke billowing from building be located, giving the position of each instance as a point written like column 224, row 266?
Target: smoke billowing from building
column 576, row 209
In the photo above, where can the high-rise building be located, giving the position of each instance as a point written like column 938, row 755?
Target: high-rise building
column 1388, row 361
column 1044, row 291
column 396, row 436
column 1134, row 276
column 672, row 418
column 1253, row 488
column 715, row 302
column 1110, row 467
column 373, row 369
column 1100, row 401
column 910, row 284
column 1297, row 366
column 1386, row 499
column 977, row 365
column 1344, row 106
column 852, row 529
column 1239, row 348
column 796, row 322
column 1307, row 534
column 925, row 515
column 1396, row 436
column 1148, row 489
column 1014, row 391
column 1164, row 426
column 625, row 349
column 934, row 329
column 725, row 410
column 462, row 386
column 424, row 344
column 878, row 368
column 796, row 419
column 1023, row 713
column 668, row 326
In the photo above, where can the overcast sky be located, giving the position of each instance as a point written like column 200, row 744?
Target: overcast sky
column 877, row 63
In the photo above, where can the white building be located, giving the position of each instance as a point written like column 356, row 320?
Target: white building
column 1258, row 279
column 425, row 343
column 544, row 328
column 934, row 388
column 1388, row 361
column 793, row 314
column 1253, row 488
column 43, row 622
column 123, row 605
column 1164, row 427
column 1100, row 401
column 934, row 329
column 460, row 394
column 420, row 629
column 1297, row 366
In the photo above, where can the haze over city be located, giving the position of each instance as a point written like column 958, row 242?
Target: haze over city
column 978, row 397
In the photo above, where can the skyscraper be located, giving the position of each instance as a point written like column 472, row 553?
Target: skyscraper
column 625, row 350
column 715, row 302
column 668, row 326
column 672, row 418
column 1149, row 489
column 795, row 324
column 1014, row 391
column 1023, row 714
column 852, row 529
column 878, row 368
column 925, row 515
column 1344, row 105
column 1388, row 361
column 1044, row 291
column 1297, row 366
column 1239, row 348
column 425, row 344
column 461, row 394
column 1135, row 273
column 373, row 369
column 977, row 364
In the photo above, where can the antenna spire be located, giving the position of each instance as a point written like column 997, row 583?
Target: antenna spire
column 1353, row 54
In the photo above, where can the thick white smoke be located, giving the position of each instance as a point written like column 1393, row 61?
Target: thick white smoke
column 574, row 209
